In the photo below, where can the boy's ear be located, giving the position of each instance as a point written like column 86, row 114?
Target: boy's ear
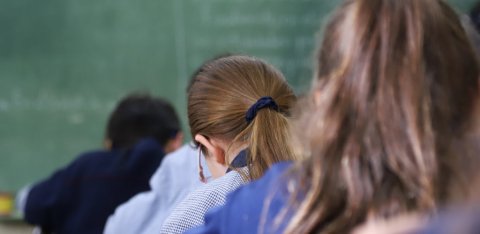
column 107, row 144
column 213, row 147
column 174, row 143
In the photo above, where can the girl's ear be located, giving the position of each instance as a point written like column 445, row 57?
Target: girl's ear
column 216, row 157
column 213, row 147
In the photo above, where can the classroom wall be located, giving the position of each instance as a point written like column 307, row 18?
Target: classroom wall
column 64, row 63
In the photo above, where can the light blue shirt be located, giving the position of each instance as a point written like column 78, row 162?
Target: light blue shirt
column 176, row 177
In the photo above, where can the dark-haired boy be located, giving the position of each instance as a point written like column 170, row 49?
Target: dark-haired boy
column 80, row 197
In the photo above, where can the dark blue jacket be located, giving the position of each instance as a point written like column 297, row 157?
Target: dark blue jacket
column 80, row 197
column 243, row 210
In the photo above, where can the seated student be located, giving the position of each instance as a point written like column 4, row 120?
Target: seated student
column 393, row 100
column 238, row 111
column 79, row 197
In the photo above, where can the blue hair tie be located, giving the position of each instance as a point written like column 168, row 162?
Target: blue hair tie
column 263, row 102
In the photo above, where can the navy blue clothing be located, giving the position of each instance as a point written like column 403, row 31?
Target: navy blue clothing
column 239, row 161
column 80, row 197
column 243, row 210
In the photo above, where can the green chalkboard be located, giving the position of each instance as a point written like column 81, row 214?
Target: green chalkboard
column 64, row 63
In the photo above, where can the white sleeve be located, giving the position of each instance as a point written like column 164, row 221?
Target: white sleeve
column 21, row 198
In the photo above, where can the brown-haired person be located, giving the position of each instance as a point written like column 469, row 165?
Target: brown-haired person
column 393, row 101
column 238, row 111
column 79, row 197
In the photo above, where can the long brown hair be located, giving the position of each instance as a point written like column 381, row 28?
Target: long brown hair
column 219, row 96
column 396, row 84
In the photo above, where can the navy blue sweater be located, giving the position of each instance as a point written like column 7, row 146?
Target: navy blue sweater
column 80, row 197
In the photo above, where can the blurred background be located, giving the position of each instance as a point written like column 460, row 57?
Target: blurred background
column 64, row 63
